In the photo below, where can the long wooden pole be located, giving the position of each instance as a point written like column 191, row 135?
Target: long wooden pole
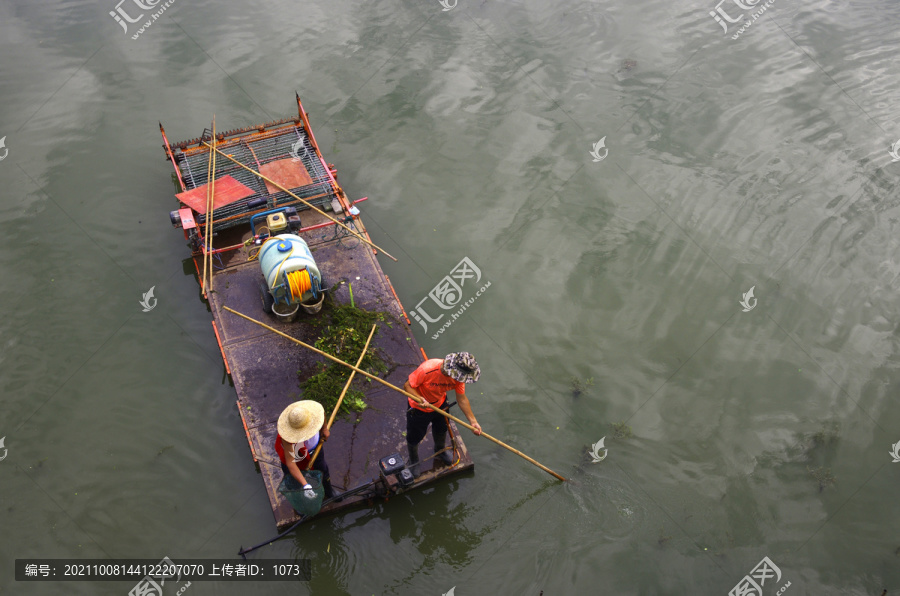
column 343, row 393
column 398, row 389
column 210, row 213
column 305, row 202
column 208, row 175
column 210, row 194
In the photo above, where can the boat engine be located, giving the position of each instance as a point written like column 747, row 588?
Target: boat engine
column 393, row 465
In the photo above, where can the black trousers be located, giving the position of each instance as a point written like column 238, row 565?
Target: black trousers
column 417, row 423
column 319, row 464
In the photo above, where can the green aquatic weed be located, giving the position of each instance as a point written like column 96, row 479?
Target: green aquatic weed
column 343, row 337
column 621, row 431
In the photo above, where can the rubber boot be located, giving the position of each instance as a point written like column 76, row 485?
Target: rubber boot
column 329, row 490
column 439, row 443
column 413, row 459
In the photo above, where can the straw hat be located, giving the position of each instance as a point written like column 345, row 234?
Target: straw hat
column 301, row 421
column 461, row 366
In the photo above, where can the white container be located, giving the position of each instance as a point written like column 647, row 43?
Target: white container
column 286, row 253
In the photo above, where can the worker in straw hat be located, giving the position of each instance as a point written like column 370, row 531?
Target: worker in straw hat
column 431, row 381
column 300, row 428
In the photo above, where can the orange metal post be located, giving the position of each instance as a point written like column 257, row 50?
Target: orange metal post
column 338, row 191
column 171, row 157
column 197, row 269
column 221, row 349
column 400, row 304
column 247, row 432
column 312, row 137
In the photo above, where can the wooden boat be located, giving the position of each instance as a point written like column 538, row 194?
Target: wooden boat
column 263, row 365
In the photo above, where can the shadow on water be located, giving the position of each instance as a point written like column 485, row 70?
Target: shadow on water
column 408, row 536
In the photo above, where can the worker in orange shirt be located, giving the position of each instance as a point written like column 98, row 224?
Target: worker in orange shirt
column 431, row 381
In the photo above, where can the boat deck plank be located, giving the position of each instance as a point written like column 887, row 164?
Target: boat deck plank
column 267, row 369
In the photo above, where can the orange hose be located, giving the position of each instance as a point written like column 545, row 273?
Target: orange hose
column 299, row 282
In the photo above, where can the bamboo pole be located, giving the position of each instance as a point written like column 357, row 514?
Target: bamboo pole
column 398, row 389
column 203, row 276
column 210, row 197
column 210, row 213
column 343, row 393
column 304, row 201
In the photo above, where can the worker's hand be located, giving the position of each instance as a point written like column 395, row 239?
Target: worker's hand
column 477, row 428
column 325, row 433
column 309, row 492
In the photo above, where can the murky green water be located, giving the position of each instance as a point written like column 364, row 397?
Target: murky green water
column 614, row 298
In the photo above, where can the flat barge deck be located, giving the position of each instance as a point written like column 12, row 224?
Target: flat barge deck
column 267, row 369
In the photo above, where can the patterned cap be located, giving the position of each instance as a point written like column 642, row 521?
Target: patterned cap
column 461, row 366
